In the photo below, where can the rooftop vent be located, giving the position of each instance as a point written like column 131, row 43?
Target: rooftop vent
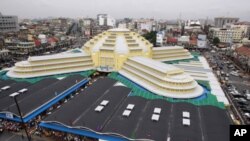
column 99, row 108
column 5, row 88
column 23, row 90
column 155, row 117
column 104, row 102
column 185, row 114
column 157, row 110
column 186, row 122
column 130, row 106
column 126, row 113
column 14, row 94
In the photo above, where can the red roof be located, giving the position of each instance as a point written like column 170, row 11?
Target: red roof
column 37, row 42
column 52, row 39
column 245, row 51
column 171, row 40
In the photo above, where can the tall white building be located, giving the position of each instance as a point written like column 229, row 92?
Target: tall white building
column 8, row 23
column 202, row 41
column 105, row 20
column 122, row 25
column 145, row 24
column 159, row 38
column 225, row 35
column 231, row 33
column 87, row 22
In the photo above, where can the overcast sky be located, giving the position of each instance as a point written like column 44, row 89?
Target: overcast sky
column 159, row 9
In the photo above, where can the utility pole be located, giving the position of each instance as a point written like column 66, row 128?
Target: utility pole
column 14, row 95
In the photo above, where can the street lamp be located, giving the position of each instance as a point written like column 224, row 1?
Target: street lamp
column 14, row 95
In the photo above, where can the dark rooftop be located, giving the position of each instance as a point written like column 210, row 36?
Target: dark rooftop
column 14, row 87
column 207, row 122
column 38, row 95
column 4, row 83
column 81, row 103
column 6, row 101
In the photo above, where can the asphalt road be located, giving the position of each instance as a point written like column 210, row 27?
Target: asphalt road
column 237, row 81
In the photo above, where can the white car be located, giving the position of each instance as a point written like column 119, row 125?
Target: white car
column 248, row 96
column 234, row 73
column 247, row 115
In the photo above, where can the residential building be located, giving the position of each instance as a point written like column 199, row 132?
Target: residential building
column 202, row 41
column 4, row 53
column 144, row 25
column 220, row 22
column 87, row 22
column 173, row 28
column 42, row 38
column 245, row 26
column 246, row 41
column 8, row 23
column 87, row 26
column 160, row 38
column 183, row 40
column 225, row 35
column 238, row 34
column 1, row 42
column 122, row 25
column 105, row 20
column 25, row 47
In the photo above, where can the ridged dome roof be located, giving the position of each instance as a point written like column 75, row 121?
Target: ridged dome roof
column 119, row 40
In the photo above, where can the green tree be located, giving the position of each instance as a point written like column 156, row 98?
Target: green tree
column 216, row 41
column 151, row 37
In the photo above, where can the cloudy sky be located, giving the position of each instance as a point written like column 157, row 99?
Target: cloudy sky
column 160, row 9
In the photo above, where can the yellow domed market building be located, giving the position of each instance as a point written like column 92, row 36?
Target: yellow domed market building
column 111, row 49
column 123, row 51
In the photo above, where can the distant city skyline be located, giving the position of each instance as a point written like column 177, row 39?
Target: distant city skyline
column 158, row 9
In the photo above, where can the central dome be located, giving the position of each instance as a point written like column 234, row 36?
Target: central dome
column 111, row 48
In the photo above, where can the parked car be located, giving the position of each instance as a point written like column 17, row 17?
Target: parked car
column 247, row 96
column 247, row 115
column 235, row 73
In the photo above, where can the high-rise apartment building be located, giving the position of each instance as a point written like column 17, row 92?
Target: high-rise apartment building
column 105, row 20
column 8, row 23
column 225, row 35
column 222, row 21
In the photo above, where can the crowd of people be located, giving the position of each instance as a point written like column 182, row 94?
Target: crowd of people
column 34, row 129
column 11, row 126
